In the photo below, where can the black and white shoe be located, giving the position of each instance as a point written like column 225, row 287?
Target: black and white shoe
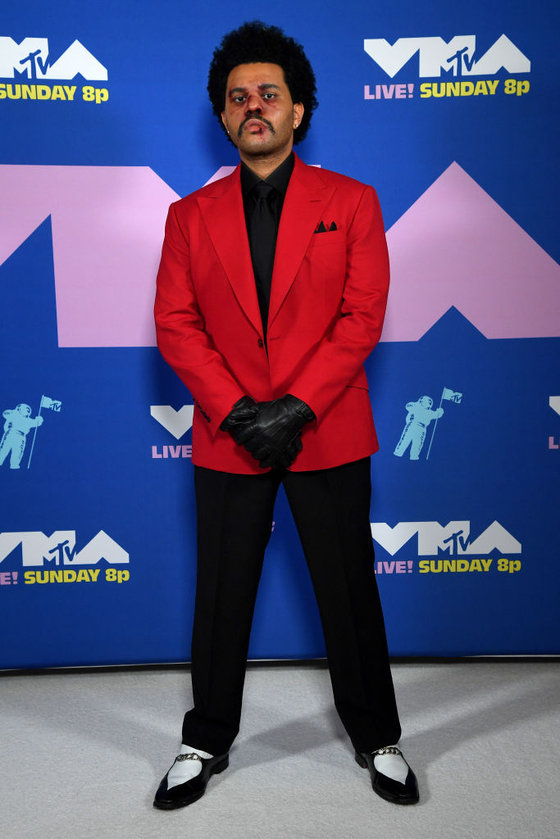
column 180, row 795
column 401, row 789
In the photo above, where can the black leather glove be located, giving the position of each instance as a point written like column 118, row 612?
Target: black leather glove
column 244, row 411
column 289, row 455
column 273, row 436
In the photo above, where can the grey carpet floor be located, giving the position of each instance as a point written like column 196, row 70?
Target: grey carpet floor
column 82, row 754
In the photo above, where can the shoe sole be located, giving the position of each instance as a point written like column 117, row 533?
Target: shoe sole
column 184, row 802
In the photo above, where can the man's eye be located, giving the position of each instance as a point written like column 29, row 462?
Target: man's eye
column 269, row 96
column 238, row 98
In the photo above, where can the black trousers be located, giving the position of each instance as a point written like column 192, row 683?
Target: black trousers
column 331, row 512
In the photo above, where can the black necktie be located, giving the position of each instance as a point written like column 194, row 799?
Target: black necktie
column 262, row 236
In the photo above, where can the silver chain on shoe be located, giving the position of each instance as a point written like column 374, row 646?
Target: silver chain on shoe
column 189, row 756
column 388, row 750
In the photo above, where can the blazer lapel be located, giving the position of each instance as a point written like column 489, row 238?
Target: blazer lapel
column 303, row 208
column 224, row 217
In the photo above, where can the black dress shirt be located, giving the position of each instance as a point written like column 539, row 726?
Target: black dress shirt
column 263, row 245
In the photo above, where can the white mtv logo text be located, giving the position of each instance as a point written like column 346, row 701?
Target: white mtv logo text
column 436, row 54
column 31, row 58
column 60, row 548
column 453, row 538
column 176, row 422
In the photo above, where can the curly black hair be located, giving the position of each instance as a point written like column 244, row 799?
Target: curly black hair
column 255, row 42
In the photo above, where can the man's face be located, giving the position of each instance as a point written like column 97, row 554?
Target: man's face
column 259, row 114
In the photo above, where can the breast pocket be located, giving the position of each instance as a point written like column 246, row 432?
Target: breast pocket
column 329, row 239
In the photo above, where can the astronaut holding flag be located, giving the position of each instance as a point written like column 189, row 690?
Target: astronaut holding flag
column 420, row 415
column 16, row 428
column 418, row 418
column 19, row 423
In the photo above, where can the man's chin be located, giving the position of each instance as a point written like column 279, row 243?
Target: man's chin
column 258, row 145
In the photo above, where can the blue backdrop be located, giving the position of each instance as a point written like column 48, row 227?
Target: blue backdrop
column 104, row 122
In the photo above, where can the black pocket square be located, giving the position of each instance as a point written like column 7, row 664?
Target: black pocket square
column 322, row 228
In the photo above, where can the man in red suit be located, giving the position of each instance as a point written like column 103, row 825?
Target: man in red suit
column 271, row 294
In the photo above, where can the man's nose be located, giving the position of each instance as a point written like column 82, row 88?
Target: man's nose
column 253, row 104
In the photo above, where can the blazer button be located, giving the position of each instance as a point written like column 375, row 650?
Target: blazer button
column 260, row 342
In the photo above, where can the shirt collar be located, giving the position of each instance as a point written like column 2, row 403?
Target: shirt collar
column 279, row 179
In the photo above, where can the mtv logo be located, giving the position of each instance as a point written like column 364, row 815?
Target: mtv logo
column 436, row 55
column 176, row 422
column 59, row 548
column 31, row 58
column 453, row 538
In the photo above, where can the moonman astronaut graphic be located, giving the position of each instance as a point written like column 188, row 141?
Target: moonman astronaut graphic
column 420, row 415
column 16, row 428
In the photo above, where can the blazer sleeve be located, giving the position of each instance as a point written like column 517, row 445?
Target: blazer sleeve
column 180, row 331
column 339, row 356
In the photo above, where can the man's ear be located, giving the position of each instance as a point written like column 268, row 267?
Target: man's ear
column 223, row 115
column 298, row 114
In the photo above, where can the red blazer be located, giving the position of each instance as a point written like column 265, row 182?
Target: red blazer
column 327, row 304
